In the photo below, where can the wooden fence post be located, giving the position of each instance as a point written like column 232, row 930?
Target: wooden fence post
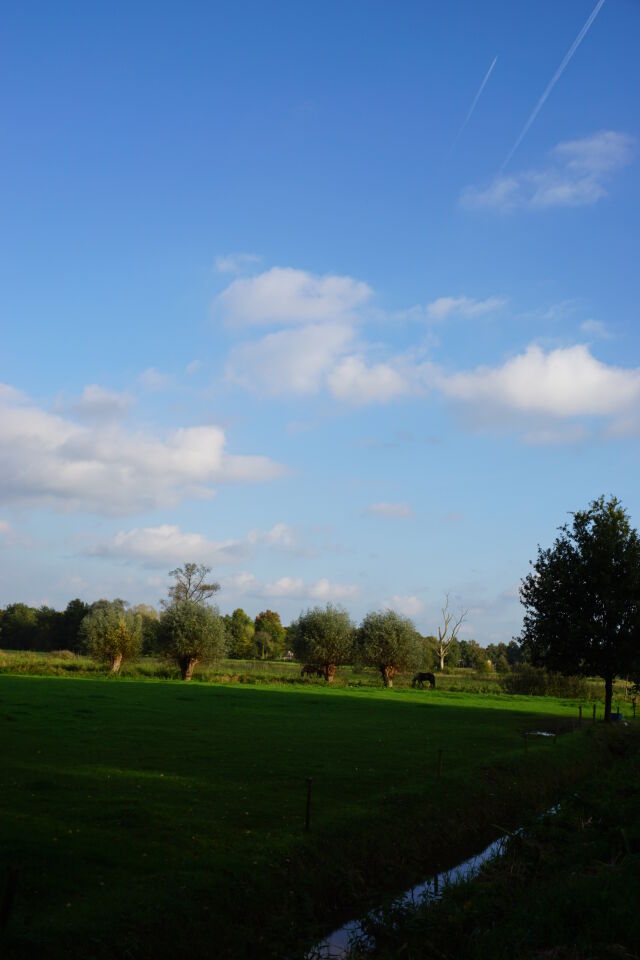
column 594, row 713
column 580, row 714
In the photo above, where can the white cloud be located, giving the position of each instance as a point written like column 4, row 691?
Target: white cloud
column 290, row 361
column 96, row 403
column 596, row 328
column 53, row 460
column 577, row 176
column 284, row 296
column 236, row 262
column 601, row 153
column 445, row 307
column 566, row 382
column 352, row 380
column 242, row 582
column 167, row 543
column 408, row 606
column 281, row 536
column 399, row 510
column 322, row 589
column 153, row 379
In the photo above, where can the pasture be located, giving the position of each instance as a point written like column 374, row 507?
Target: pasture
column 153, row 819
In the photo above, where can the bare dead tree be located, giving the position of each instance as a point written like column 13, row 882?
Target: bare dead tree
column 448, row 632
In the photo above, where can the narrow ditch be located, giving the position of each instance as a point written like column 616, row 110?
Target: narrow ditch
column 336, row 945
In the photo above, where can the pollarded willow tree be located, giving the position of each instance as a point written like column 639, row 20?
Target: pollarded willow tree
column 389, row 642
column 323, row 637
column 582, row 598
column 191, row 633
column 111, row 633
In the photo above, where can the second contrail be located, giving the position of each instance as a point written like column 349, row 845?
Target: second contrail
column 475, row 102
column 541, row 102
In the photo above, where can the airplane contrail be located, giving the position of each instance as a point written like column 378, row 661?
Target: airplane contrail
column 475, row 102
column 541, row 102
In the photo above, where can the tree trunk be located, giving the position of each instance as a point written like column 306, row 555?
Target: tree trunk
column 608, row 696
column 116, row 663
column 187, row 666
column 388, row 673
column 441, row 661
column 329, row 672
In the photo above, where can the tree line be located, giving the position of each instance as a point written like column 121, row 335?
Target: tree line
column 113, row 631
column 581, row 602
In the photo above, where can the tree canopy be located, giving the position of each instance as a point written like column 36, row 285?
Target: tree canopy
column 191, row 633
column 324, row 637
column 269, row 634
column 389, row 642
column 240, row 630
column 111, row 633
column 582, row 598
column 190, row 583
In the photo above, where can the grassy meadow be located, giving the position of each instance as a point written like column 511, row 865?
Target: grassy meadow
column 153, row 819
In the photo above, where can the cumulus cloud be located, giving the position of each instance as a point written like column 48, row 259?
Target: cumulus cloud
column 164, row 545
column 167, row 543
column 566, row 382
column 289, row 361
column 53, row 460
column 445, row 307
column 408, row 606
column 96, row 403
column 399, row 510
column 577, row 175
column 281, row 536
column 323, row 589
column 285, row 296
column 352, row 380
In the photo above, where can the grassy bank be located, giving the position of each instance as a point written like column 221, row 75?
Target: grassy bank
column 566, row 887
column 460, row 680
column 149, row 818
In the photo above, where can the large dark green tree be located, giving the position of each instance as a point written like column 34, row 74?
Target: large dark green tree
column 240, row 630
column 582, row 597
column 270, row 635
column 323, row 637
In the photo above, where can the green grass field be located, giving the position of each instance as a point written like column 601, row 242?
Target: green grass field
column 153, row 819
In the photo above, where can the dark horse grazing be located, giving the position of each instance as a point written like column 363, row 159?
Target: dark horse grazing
column 420, row 679
column 311, row 671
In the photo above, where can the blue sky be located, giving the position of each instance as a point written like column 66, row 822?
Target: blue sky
column 265, row 305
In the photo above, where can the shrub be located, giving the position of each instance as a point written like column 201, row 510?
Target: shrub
column 534, row 681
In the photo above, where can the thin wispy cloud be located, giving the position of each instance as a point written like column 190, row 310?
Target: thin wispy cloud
column 576, row 175
column 545, row 96
column 474, row 104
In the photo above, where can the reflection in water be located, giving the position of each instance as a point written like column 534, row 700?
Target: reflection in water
column 335, row 946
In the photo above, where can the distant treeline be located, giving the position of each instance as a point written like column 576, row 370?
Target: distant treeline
column 261, row 638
